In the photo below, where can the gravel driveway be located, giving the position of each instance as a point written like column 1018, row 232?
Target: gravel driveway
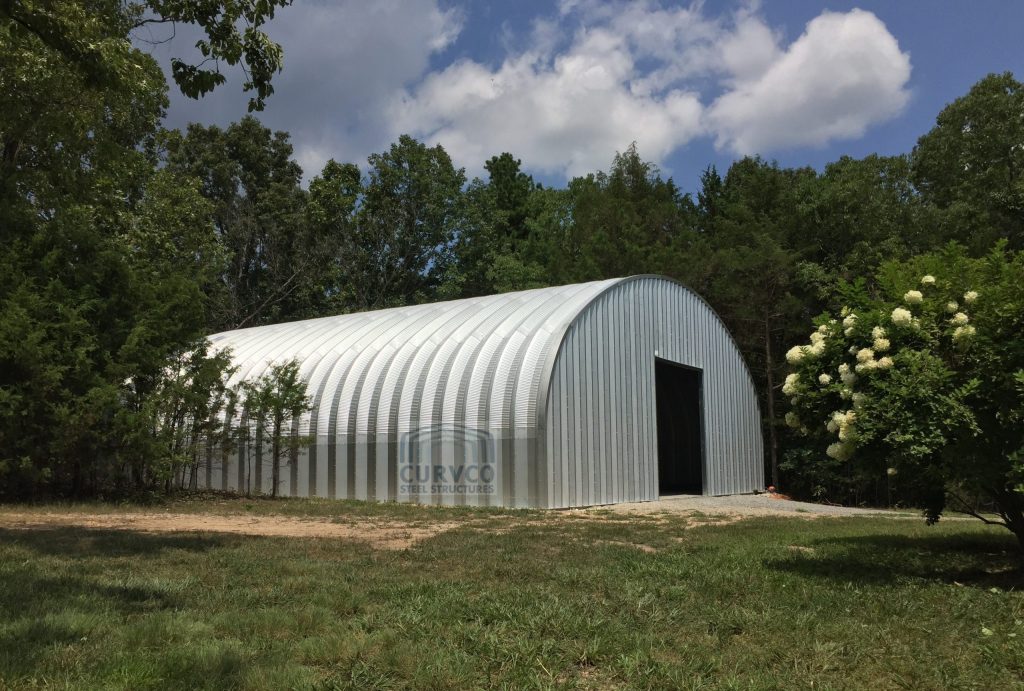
column 743, row 505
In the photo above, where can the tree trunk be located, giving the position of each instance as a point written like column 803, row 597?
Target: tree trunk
column 1011, row 507
column 769, row 365
column 276, row 458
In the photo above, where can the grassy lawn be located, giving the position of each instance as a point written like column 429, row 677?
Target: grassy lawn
column 514, row 600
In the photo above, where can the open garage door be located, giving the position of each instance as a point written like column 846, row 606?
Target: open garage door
column 680, row 429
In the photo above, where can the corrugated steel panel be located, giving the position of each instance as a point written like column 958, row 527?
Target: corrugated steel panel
column 600, row 419
column 554, row 387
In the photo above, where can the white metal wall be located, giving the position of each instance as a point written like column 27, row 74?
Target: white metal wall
column 600, row 424
column 375, row 377
column 558, row 382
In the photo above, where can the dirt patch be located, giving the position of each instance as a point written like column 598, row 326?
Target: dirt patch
column 737, row 507
column 380, row 534
column 802, row 549
column 632, row 545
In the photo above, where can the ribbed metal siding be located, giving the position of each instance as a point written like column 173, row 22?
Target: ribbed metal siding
column 376, row 376
column 561, row 379
column 600, row 425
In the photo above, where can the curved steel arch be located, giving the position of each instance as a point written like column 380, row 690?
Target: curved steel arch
column 485, row 365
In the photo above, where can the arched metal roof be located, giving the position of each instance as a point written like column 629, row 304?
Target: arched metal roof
column 557, row 385
column 397, row 369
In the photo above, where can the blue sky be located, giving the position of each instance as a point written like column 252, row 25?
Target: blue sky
column 563, row 85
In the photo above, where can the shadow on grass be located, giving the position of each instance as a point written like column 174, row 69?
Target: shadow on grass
column 80, row 543
column 979, row 560
column 44, row 604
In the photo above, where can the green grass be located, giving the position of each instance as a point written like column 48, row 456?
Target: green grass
column 538, row 600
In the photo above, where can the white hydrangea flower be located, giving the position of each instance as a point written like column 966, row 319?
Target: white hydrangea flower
column 962, row 332
column 849, row 379
column 816, row 349
column 840, row 451
column 878, row 332
column 845, row 311
column 928, row 280
column 792, row 420
column 832, row 427
column 959, row 319
column 817, row 337
column 866, row 366
column 952, row 306
column 852, row 350
column 850, row 320
column 845, row 422
column 885, row 362
column 970, row 296
column 823, row 329
column 794, row 355
column 913, row 297
column 881, row 344
column 902, row 317
column 890, row 472
column 859, row 399
column 791, row 384
column 843, row 368
column 825, row 379
column 865, row 354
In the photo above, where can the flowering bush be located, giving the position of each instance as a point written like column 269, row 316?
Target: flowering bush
column 924, row 383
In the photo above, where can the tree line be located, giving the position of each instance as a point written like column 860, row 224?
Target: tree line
column 124, row 243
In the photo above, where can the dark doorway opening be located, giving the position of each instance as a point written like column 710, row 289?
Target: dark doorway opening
column 680, row 428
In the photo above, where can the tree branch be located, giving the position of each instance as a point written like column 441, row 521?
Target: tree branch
column 969, row 510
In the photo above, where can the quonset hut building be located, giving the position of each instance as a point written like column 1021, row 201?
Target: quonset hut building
column 597, row 393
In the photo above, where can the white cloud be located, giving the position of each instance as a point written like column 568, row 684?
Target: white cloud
column 635, row 72
column 843, row 74
column 565, row 109
column 343, row 62
column 584, row 82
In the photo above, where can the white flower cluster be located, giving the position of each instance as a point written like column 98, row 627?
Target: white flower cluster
column 959, row 319
column 824, row 379
column 792, row 384
column 849, row 321
column 866, row 361
column 928, row 280
column 880, row 342
column 844, row 424
column 841, row 423
column 902, row 317
column 962, row 332
column 840, row 451
column 846, row 374
column 913, row 297
column 795, row 355
column 792, row 420
column 952, row 306
column 970, row 296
